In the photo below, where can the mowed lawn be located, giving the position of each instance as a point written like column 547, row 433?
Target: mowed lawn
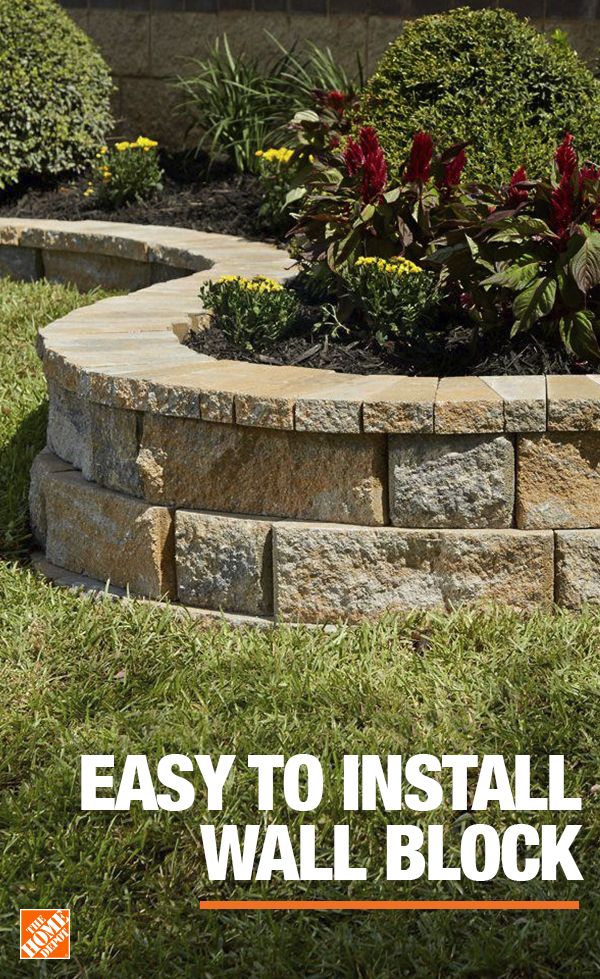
column 80, row 676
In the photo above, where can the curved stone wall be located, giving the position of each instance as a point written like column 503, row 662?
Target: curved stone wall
column 289, row 493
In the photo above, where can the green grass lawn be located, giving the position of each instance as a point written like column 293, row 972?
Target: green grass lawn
column 78, row 676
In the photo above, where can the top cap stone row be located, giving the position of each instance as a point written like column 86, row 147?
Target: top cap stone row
column 126, row 352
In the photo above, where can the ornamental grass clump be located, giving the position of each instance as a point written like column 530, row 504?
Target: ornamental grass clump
column 126, row 172
column 252, row 313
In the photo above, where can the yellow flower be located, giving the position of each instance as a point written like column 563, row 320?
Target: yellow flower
column 121, row 147
column 282, row 155
column 104, row 149
column 398, row 265
column 260, row 283
column 145, row 143
column 88, row 192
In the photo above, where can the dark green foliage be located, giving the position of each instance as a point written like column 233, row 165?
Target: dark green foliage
column 54, row 92
column 488, row 78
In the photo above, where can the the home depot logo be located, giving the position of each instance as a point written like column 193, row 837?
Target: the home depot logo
column 45, row 933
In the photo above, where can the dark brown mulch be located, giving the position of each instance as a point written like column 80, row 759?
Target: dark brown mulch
column 453, row 355
column 226, row 206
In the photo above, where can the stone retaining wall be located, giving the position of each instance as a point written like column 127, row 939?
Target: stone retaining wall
column 289, row 493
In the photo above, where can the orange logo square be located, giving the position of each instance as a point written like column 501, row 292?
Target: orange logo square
column 45, row 933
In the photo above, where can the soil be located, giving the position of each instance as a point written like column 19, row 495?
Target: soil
column 226, row 205
column 453, row 355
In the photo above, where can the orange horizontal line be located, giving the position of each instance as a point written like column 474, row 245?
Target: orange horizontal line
column 389, row 905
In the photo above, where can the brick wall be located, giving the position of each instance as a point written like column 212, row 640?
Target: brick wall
column 147, row 42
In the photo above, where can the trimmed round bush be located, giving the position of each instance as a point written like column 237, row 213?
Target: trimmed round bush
column 54, row 92
column 487, row 77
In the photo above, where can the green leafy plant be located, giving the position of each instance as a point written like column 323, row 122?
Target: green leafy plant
column 351, row 208
column 486, row 77
column 252, row 313
column 393, row 300
column 534, row 261
column 126, row 172
column 54, row 92
column 238, row 105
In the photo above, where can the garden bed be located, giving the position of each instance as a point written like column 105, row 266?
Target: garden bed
column 290, row 493
column 228, row 205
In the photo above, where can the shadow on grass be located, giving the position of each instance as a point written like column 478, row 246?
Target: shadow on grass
column 16, row 458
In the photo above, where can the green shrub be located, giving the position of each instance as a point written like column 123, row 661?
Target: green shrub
column 54, row 92
column 252, row 313
column 488, row 78
column 126, row 172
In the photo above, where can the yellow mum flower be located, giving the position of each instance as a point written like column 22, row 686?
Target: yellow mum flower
column 145, row 143
column 282, row 155
column 121, row 147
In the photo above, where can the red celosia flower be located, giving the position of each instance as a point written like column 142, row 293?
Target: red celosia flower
column 367, row 155
column 566, row 157
column 589, row 172
column 453, row 169
column 336, row 100
column 562, row 203
column 419, row 161
column 516, row 194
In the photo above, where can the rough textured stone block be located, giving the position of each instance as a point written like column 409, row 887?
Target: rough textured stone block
column 88, row 271
column 451, row 481
column 205, row 466
column 24, row 264
column 578, row 567
column 106, row 535
column 558, row 480
column 224, row 562
column 327, row 573
column 115, row 438
column 44, row 465
column 69, row 432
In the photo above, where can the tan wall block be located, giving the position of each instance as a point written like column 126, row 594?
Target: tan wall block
column 123, row 38
column 558, row 480
column 224, row 562
column 44, row 465
column 69, row 435
column 90, row 271
column 106, row 535
column 115, row 437
column 150, row 106
column 177, row 37
column 578, row 567
column 205, row 466
column 324, row 574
